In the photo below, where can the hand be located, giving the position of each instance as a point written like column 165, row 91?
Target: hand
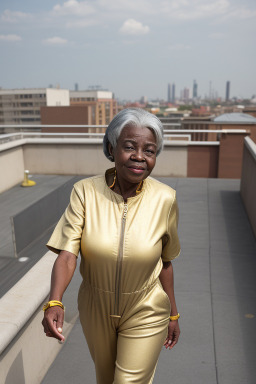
column 173, row 334
column 53, row 322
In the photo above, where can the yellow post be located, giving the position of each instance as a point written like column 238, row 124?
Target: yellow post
column 26, row 181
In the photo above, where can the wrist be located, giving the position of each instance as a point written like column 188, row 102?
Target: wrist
column 53, row 303
column 174, row 317
column 55, row 296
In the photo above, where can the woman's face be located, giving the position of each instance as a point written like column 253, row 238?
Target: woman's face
column 135, row 154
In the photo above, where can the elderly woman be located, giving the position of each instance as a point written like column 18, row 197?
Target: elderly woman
column 124, row 224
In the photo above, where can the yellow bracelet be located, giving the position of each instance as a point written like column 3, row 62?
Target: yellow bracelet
column 176, row 317
column 52, row 303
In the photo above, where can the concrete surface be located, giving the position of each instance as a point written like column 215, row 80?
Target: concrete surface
column 215, row 289
column 12, row 202
column 25, row 353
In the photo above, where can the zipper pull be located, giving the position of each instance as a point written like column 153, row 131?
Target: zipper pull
column 125, row 211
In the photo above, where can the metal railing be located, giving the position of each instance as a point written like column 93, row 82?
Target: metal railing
column 191, row 135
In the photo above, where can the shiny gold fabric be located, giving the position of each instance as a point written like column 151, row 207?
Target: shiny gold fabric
column 123, row 309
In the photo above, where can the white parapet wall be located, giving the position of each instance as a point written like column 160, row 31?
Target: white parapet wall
column 82, row 157
column 11, row 165
column 248, row 181
column 25, row 352
column 74, row 156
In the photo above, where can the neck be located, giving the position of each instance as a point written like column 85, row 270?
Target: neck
column 124, row 189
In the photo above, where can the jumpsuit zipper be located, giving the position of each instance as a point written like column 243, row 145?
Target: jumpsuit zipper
column 119, row 263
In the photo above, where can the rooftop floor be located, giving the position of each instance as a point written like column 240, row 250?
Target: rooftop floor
column 12, row 202
column 215, row 288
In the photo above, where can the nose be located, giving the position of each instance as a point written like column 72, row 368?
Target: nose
column 138, row 155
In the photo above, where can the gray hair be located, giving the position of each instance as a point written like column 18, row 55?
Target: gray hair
column 133, row 116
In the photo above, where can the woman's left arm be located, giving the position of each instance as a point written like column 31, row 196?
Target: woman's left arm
column 167, row 281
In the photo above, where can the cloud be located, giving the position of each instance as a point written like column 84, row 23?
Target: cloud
column 55, row 41
column 135, row 6
column 10, row 38
column 133, row 27
column 81, row 23
column 217, row 35
column 74, row 7
column 239, row 13
column 67, row 14
column 194, row 9
column 14, row 16
column 179, row 47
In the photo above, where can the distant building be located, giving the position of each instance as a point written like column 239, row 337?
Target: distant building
column 227, row 90
column 250, row 111
column 76, row 86
column 237, row 121
column 103, row 105
column 194, row 89
column 169, row 93
column 69, row 115
column 143, row 100
column 22, row 106
column 173, row 93
column 185, row 94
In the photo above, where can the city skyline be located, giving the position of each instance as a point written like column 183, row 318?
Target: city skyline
column 131, row 48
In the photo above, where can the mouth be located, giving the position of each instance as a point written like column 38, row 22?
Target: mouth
column 136, row 169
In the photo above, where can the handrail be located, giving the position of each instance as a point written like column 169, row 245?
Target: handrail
column 5, row 138
column 251, row 146
column 205, row 130
column 5, row 135
column 51, row 126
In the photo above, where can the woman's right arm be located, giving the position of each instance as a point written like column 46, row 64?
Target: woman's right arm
column 62, row 273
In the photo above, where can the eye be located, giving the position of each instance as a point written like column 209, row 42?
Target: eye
column 129, row 147
column 150, row 151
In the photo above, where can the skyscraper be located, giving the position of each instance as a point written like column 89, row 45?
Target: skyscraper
column 173, row 93
column 227, row 90
column 185, row 94
column 169, row 93
column 194, row 89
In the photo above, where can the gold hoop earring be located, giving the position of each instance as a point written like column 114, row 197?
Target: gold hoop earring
column 114, row 181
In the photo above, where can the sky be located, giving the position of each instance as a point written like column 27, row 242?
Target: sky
column 133, row 48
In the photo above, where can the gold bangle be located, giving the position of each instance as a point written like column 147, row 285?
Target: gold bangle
column 52, row 303
column 176, row 317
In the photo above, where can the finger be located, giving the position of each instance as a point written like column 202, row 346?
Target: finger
column 59, row 322
column 54, row 331
column 46, row 329
column 174, row 340
column 167, row 345
column 49, row 334
column 173, row 343
column 51, row 319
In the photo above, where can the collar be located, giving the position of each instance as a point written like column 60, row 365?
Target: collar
column 112, row 172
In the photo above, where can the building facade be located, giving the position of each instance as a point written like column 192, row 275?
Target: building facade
column 22, row 106
column 102, row 103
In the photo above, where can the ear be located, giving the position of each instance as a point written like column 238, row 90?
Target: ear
column 110, row 149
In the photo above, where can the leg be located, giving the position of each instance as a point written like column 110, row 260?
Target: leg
column 100, row 333
column 138, row 350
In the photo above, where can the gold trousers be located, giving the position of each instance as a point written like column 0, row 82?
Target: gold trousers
column 125, row 348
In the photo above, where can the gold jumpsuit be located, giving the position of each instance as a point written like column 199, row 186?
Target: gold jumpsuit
column 123, row 308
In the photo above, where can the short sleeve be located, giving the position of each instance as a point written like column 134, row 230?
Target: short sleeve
column 171, row 243
column 68, row 231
